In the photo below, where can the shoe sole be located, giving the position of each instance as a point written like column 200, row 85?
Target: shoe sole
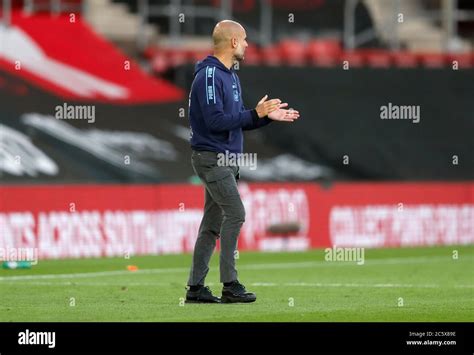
column 201, row 301
column 227, row 299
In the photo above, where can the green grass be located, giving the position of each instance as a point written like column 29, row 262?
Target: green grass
column 289, row 286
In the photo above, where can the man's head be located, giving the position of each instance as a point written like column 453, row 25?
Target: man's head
column 230, row 39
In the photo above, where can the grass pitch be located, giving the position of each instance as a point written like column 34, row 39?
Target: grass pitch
column 416, row 284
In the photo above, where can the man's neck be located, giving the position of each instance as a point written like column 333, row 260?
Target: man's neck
column 226, row 60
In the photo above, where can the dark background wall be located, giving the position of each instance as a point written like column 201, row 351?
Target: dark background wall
column 340, row 115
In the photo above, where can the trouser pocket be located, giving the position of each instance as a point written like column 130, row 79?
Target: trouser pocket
column 221, row 180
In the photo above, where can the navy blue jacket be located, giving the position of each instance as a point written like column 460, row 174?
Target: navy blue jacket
column 216, row 111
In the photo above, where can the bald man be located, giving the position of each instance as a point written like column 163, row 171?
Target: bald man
column 217, row 116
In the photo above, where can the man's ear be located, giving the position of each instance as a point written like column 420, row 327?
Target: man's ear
column 234, row 42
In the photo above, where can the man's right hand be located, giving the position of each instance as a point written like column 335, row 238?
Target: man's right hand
column 264, row 106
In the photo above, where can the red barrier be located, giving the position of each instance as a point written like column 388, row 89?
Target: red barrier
column 112, row 220
column 64, row 56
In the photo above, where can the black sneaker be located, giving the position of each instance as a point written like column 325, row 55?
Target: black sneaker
column 236, row 292
column 203, row 295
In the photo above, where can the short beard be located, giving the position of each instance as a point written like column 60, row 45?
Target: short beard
column 238, row 59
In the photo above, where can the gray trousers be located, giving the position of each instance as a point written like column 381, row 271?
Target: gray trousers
column 224, row 214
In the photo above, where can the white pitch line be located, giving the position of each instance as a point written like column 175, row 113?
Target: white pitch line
column 305, row 284
column 254, row 284
column 101, row 284
column 319, row 284
column 92, row 274
column 294, row 265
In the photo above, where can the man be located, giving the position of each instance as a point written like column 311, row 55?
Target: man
column 217, row 117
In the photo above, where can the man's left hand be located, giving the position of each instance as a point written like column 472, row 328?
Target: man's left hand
column 284, row 115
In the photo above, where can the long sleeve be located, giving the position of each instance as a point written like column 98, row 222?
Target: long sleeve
column 257, row 122
column 211, row 103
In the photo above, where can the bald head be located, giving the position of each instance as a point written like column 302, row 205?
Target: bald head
column 224, row 32
column 229, row 41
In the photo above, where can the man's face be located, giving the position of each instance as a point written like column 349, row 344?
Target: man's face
column 241, row 46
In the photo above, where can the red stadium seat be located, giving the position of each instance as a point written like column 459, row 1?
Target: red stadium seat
column 252, row 55
column 433, row 60
column 353, row 58
column 293, row 52
column 160, row 63
column 196, row 55
column 377, row 58
column 324, row 52
column 405, row 59
column 177, row 56
column 271, row 55
column 464, row 60
column 149, row 52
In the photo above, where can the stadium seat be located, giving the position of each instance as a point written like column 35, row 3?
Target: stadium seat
column 324, row 53
column 377, row 58
column 293, row 52
column 196, row 55
column 160, row 63
column 252, row 55
column 177, row 56
column 149, row 52
column 354, row 59
column 405, row 59
column 271, row 56
column 433, row 60
column 464, row 60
